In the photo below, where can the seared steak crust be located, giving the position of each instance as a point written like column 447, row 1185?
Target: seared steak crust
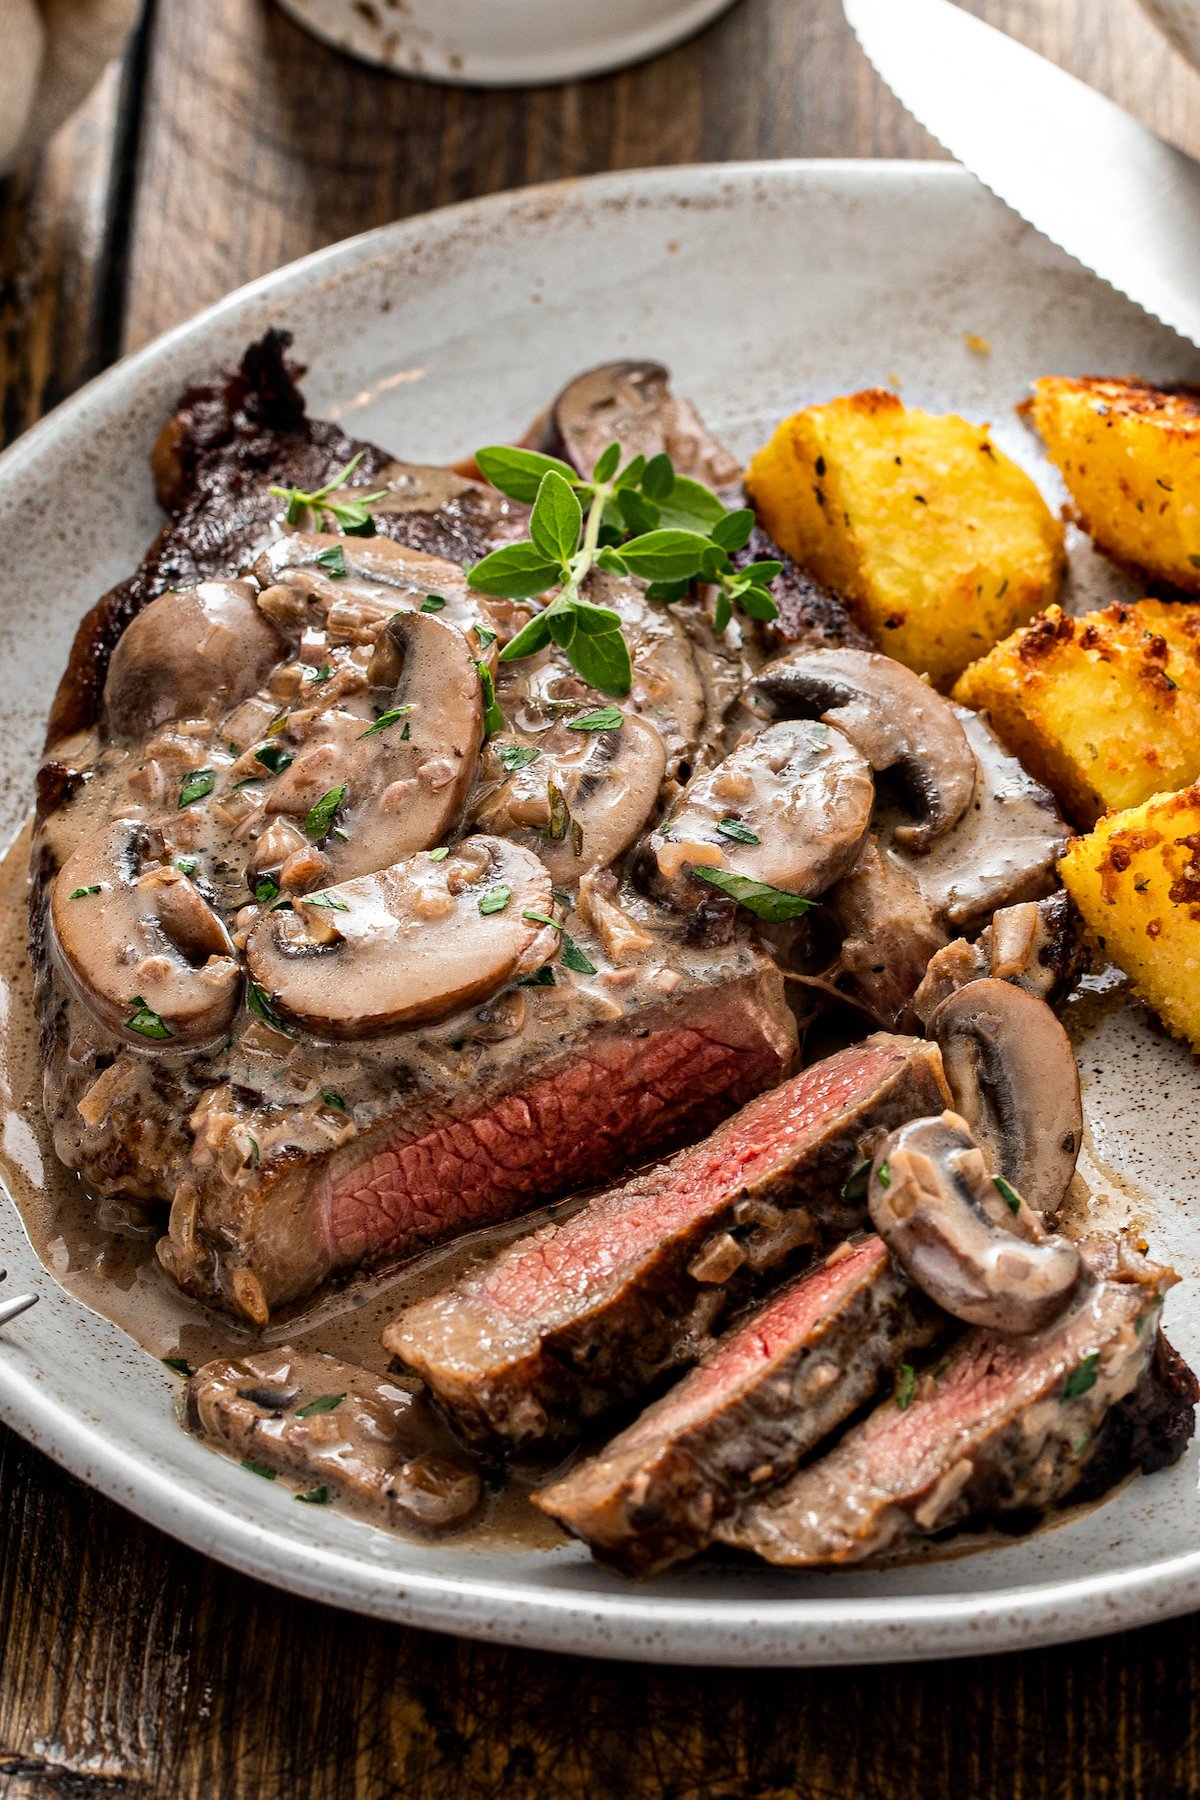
column 583, row 1314
column 771, row 1388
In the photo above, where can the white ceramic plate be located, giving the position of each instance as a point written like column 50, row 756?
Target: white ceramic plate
column 763, row 287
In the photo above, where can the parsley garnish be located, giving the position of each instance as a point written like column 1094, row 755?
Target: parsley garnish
column 905, row 1386
column 606, row 718
column 328, row 900
column 266, row 889
column 147, row 1024
column 331, row 1097
column 543, row 977
column 322, row 815
column 884, row 1174
column 324, row 1404
column 196, row 785
column 391, row 717
column 82, row 893
column 274, row 757
column 764, row 901
column 537, row 918
column 854, row 1192
column 257, row 1468
column 516, row 756
column 1008, row 1194
column 493, row 718
column 317, row 1496
column 484, row 635
column 440, row 854
column 433, row 603
column 741, row 834
column 333, row 560
column 496, row 900
column 259, row 1002
column 1082, row 1379
column 179, row 1364
column 573, row 957
column 187, row 865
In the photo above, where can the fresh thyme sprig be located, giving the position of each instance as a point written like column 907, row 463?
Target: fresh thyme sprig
column 642, row 520
column 351, row 514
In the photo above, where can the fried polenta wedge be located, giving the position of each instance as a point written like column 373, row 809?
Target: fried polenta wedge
column 938, row 541
column 1136, row 880
column 1130, row 456
column 1105, row 709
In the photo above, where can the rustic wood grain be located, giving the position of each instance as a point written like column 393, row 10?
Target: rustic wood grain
column 130, row 1666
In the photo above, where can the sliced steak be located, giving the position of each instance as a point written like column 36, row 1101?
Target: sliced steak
column 590, row 1311
column 1005, row 1426
column 771, row 1388
column 343, row 1432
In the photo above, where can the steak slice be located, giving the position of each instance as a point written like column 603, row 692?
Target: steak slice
column 770, row 1389
column 1006, row 1427
column 590, row 1311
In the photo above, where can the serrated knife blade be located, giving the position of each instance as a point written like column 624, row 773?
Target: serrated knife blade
column 1073, row 164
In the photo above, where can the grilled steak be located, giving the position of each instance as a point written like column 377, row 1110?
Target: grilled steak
column 337, row 1429
column 771, row 1388
column 1004, row 1426
column 196, row 736
column 590, row 1311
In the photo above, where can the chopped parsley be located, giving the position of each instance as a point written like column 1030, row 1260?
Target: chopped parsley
column 328, row 900
column 905, row 1385
column 543, row 977
column 516, row 756
column 605, row 718
column 758, row 897
column 537, row 918
column 392, row 716
column 496, row 900
column 82, row 893
column 317, row 1496
column 259, row 1002
column 187, row 865
column 1008, row 1194
column 147, row 1024
column 433, row 603
column 883, row 1174
column 322, row 815
column 266, row 889
column 333, row 560
column 196, row 785
column 485, row 636
column 257, row 1468
column 741, row 834
column 493, row 718
column 440, row 854
column 1082, row 1380
column 179, row 1364
column 331, row 1097
column 325, row 1403
column 274, row 757
column 574, row 958
column 855, row 1189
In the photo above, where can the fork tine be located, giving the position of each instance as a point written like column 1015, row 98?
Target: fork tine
column 12, row 1309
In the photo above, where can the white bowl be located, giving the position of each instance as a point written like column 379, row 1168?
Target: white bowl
column 503, row 43
column 1180, row 20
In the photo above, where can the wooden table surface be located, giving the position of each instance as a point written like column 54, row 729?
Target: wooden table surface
column 130, row 1666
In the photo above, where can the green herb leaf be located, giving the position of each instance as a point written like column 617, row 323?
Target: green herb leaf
column 658, row 482
column 440, row 854
column 884, row 1174
column 266, row 889
column 904, row 1386
column 179, row 1364
column 187, row 865
column 529, row 640
column 147, row 1024
column 326, row 1403
column 1008, row 1194
column 332, row 560
column 322, row 815
column 606, row 463
column 392, row 716
column 274, row 757
column 196, row 785
column 637, row 513
column 544, row 977
column 82, row 893
column 854, row 1191
column 764, row 901
column 611, row 562
column 259, row 1002
column 493, row 718
column 519, row 473
column 257, row 1468
column 756, row 603
column 1082, row 1380
column 496, row 900
column 732, row 531
column 483, row 634
column 665, row 555
column 572, row 957
column 632, row 473
column 517, row 572
column 690, row 506
column 255, row 1153
column 556, row 520
column 591, row 638
column 331, row 1097
column 433, row 603
column 761, row 574
column 605, row 718
column 541, row 919
column 516, row 756
column 722, row 612
column 322, row 674
column 316, row 1496
column 741, row 834
column 328, row 900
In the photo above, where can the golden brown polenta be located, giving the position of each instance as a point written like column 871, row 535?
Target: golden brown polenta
column 938, row 541
column 1136, row 880
column 1105, row 709
column 1130, row 456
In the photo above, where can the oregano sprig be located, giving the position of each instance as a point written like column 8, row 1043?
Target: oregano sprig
column 643, row 520
column 352, row 513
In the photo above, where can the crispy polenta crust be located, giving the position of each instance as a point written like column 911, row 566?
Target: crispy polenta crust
column 1105, row 709
column 938, row 541
column 1136, row 880
column 1130, row 456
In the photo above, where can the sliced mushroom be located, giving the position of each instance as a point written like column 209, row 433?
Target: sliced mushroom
column 140, row 944
column 976, row 1250
column 410, row 944
column 584, row 797
column 379, row 576
column 192, row 652
column 788, row 807
column 1015, row 1080
column 1037, row 945
column 405, row 769
column 630, row 403
column 892, row 716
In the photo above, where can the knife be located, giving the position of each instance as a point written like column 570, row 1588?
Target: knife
column 1070, row 162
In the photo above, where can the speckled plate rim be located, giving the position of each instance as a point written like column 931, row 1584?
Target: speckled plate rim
column 597, row 1614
